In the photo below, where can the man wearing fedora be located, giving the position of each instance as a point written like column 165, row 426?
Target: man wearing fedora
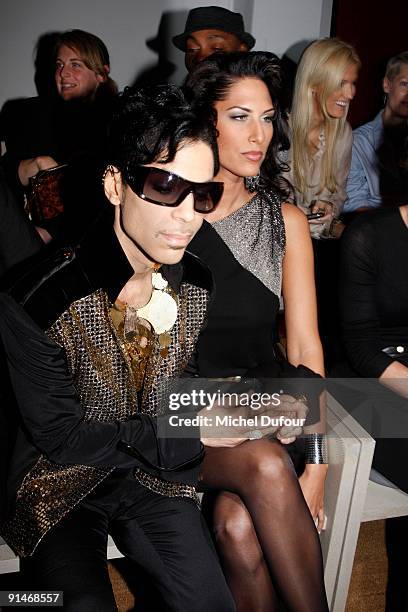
column 212, row 29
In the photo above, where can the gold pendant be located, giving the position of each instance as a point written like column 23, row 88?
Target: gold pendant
column 116, row 316
column 165, row 339
column 164, row 342
column 160, row 311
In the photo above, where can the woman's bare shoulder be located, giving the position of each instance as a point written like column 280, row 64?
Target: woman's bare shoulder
column 293, row 217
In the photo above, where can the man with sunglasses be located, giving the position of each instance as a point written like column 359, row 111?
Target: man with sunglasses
column 121, row 314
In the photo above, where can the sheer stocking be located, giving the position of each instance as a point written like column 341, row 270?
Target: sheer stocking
column 265, row 533
column 241, row 556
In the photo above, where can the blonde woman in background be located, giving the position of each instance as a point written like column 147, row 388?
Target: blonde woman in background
column 320, row 154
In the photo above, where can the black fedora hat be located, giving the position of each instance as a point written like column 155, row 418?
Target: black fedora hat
column 214, row 18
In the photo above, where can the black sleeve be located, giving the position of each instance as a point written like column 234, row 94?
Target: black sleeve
column 18, row 237
column 358, row 309
column 50, row 410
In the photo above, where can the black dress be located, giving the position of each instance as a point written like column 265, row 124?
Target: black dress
column 239, row 250
column 374, row 316
column 245, row 254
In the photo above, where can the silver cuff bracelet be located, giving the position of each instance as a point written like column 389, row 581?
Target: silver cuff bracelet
column 316, row 448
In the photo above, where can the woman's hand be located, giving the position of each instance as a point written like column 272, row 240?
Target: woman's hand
column 296, row 410
column 312, row 485
column 326, row 208
column 28, row 168
column 284, row 419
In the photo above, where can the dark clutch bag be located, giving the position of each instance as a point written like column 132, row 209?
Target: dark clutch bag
column 44, row 198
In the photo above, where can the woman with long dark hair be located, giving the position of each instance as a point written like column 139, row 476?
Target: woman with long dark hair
column 258, row 247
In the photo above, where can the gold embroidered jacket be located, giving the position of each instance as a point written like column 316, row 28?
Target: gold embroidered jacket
column 74, row 420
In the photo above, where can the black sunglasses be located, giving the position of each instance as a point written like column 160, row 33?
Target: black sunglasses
column 167, row 189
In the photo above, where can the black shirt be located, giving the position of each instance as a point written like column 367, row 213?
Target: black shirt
column 374, row 289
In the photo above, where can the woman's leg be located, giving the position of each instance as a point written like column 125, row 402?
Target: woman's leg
column 261, row 473
column 241, row 556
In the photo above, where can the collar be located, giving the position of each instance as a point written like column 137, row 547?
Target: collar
column 103, row 265
column 378, row 128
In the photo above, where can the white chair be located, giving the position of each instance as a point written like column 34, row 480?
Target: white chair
column 384, row 499
column 354, row 494
column 351, row 451
column 8, row 560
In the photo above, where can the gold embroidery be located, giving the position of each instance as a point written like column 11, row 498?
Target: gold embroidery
column 105, row 386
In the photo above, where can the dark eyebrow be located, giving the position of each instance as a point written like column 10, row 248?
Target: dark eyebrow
column 209, row 37
column 248, row 110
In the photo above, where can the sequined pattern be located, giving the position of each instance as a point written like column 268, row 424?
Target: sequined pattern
column 160, row 372
column 95, row 359
column 170, row 489
column 104, row 383
column 44, row 498
column 255, row 234
column 192, row 310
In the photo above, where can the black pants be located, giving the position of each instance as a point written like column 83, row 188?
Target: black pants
column 163, row 537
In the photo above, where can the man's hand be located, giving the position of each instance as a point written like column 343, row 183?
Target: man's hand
column 44, row 234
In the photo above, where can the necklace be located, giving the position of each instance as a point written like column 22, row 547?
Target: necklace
column 161, row 310
column 140, row 328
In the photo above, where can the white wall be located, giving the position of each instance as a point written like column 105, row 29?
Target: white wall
column 126, row 25
column 285, row 26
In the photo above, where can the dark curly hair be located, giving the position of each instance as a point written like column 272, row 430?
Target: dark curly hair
column 210, row 82
column 150, row 124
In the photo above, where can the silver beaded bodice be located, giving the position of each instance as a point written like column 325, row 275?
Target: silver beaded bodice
column 255, row 234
